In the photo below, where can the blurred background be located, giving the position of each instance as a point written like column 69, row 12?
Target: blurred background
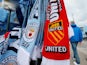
column 77, row 12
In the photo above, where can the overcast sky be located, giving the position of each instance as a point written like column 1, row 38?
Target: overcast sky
column 77, row 10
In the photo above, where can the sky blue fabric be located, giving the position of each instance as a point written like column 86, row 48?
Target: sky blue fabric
column 0, row 0
column 9, row 56
column 33, row 22
column 3, row 14
column 39, row 40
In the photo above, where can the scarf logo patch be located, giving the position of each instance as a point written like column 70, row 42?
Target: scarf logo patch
column 55, row 32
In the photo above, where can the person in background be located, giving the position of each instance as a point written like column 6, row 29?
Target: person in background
column 75, row 40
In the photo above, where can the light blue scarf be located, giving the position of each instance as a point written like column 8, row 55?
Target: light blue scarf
column 31, row 31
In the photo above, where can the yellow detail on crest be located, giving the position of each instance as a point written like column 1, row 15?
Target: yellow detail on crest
column 56, row 31
column 57, row 35
column 54, row 36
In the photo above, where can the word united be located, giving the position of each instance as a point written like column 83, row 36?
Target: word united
column 59, row 49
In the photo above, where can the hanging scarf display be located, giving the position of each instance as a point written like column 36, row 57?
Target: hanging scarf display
column 9, row 51
column 9, row 54
column 31, row 30
column 39, row 40
column 29, row 35
column 56, row 41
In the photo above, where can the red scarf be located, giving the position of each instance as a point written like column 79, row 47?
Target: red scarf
column 56, row 41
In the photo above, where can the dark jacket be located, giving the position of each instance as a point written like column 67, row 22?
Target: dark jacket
column 77, row 34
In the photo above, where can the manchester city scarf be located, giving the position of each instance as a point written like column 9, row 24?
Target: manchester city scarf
column 30, row 33
column 38, row 44
column 31, row 30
